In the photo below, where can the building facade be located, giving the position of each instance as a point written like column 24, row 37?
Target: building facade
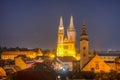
column 66, row 45
column 13, row 54
column 96, row 64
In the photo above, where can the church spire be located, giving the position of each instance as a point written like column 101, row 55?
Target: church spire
column 84, row 29
column 71, row 22
column 84, row 35
column 83, row 22
column 61, row 23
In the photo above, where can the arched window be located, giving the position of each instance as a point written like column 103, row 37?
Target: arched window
column 84, row 54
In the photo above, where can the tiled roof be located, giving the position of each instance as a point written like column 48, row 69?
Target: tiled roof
column 108, row 54
column 88, row 61
column 67, row 59
column 18, row 53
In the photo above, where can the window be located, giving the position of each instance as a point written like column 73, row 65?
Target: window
column 65, row 47
column 84, row 54
column 60, row 38
column 84, row 48
column 60, row 31
column 96, row 65
column 84, row 51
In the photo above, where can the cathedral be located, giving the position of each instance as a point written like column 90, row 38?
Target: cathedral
column 66, row 45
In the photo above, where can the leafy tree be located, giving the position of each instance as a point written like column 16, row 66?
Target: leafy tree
column 112, row 75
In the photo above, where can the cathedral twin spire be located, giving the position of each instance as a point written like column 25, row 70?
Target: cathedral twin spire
column 71, row 23
column 71, row 32
column 61, row 23
column 71, row 26
column 66, row 43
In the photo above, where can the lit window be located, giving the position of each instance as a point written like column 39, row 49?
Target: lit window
column 60, row 38
column 65, row 47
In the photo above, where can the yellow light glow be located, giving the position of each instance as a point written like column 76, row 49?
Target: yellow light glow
column 52, row 56
column 77, row 57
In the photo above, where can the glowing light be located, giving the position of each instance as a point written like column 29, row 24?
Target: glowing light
column 61, row 28
column 77, row 57
column 52, row 56
column 63, row 69
column 58, row 77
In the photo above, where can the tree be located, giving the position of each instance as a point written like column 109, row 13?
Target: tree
column 113, row 75
column 5, row 49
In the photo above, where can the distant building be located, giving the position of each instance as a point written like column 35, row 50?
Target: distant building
column 25, row 62
column 39, row 53
column 13, row 54
column 109, row 56
column 66, row 62
column 76, row 66
column 2, row 72
column 9, row 69
column 20, row 63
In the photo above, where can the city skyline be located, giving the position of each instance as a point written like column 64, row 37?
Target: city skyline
column 34, row 24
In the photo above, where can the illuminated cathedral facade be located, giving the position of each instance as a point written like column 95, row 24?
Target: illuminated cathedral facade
column 66, row 45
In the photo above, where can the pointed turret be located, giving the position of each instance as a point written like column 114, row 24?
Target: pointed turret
column 84, row 34
column 84, row 30
column 61, row 31
column 71, row 32
column 61, row 23
column 71, row 23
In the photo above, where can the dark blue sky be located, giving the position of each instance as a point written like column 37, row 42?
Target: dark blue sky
column 34, row 23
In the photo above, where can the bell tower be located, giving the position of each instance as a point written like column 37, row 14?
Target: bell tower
column 84, row 46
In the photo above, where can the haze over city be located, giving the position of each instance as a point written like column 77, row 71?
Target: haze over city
column 34, row 23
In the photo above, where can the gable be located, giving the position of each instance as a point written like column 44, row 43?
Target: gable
column 97, row 64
